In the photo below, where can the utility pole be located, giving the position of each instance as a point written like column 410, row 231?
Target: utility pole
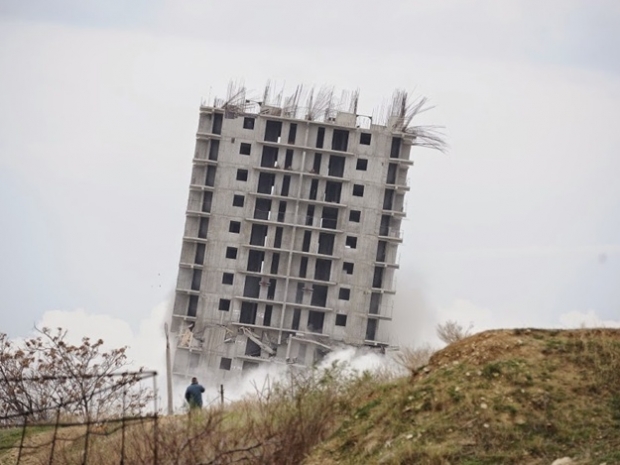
column 168, row 371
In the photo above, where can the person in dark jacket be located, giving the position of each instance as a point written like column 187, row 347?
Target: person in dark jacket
column 193, row 394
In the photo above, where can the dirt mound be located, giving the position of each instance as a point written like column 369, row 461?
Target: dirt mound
column 522, row 396
column 493, row 344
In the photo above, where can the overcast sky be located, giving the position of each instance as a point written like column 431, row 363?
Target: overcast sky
column 517, row 225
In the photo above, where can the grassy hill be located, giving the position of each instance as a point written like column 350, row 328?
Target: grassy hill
column 506, row 396
column 523, row 396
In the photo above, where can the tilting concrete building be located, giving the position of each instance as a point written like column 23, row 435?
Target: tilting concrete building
column 293, row 226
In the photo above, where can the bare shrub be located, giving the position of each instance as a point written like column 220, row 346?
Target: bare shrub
column 45, row 375
column 451, row 331
column 280, row 424
column 412, row 358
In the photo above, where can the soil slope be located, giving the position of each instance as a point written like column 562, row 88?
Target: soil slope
column 523, row 396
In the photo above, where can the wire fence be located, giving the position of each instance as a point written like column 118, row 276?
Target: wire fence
column 41, row 433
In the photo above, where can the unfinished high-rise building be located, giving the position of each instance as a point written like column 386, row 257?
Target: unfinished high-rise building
column 293, row 226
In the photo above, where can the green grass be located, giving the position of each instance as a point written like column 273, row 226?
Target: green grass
column 9, row 438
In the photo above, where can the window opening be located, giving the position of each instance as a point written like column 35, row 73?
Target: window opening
column 358, row 190
column 340, row 140
column 314, row 188
column 262, row 209
column 320, row 137
column 245, row 149
column 381, row 251
column 224, row 305
column 344, row 293
column 375, row 303
column 391, row 174
column 267, row 316
column 341, row 320
column 316, row 164
column 365, row 138
column 310, row 215
column 288, row 161
column 199, row 257
column 247, row 314
column 203, row 228
column 242, row 175
column 275, row 263
column 377, row 279
column 322, row 269
column 266, row 182
column 388, row 199
column 192, row 306
column 210, row 177
column 336, row 166
column 384, row 227
column 196, row 277
column 214, row 148
column 238, row 201
column 303, row 267
column 252, row 349
column 286, row 184
column 319, row 296
column 248, row 123
column 225, row 363
column 329, row 218
column 256, row 259
column 271, row 290
column 292, row 133
column 315, row 321
column 281, row 212
column 251, row 287
column 332, row 191
column 305, row 247
column 228, row 278
column 231, row 252
column 351, row 242
column 269, row 159
column 273, row 131
column 326, row 243
column 249, row 366
column 207, row 198
column 277, row 243
column 371, row 330
column 395, row 150
column 258, row 235
column 347, row 267
column 296, row 318
column 217, row 123
column 362, row 164
column 234, row 227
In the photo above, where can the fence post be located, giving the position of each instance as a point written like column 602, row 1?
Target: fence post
column 55, row 435
column 222, row 394
column 21, row 442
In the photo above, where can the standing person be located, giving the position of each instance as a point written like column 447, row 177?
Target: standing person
column 193, row 394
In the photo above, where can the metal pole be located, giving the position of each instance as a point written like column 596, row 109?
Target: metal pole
column 168, row 371
column 222, row 394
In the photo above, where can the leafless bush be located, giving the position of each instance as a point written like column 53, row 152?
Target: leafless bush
column 412, row 358
column 278, row 425
column 451, row 331
column 44, row 376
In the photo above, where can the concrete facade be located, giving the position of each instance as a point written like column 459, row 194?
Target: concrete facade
column 291, row 238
